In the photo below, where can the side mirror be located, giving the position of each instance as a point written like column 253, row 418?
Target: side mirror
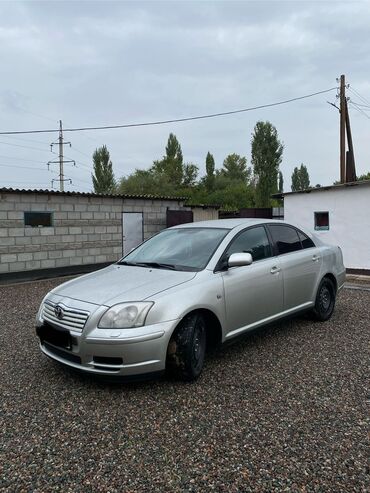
column 239, row 259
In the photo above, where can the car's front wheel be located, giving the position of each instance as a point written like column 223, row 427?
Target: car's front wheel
column 325, row 300
column 186, row 350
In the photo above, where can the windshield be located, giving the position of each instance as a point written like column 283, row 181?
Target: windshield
column 180, row 249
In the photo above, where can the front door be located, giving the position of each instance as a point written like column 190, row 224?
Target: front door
column 253, row 293
column 132, row 230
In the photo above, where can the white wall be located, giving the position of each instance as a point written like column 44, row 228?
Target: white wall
column 349, row 219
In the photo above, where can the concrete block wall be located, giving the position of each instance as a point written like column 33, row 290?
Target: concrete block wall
column 85, row 229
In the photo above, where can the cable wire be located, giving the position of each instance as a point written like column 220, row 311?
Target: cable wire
column 359, row 110
column 175, row 120
column 359, row 95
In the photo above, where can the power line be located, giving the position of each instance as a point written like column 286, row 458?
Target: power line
column 26, row 182
column 362, row 105
column 21, row 159
column 25, row 147
column 175, row 120
column 359, row 110
column 359, row 95
column 24, row 167
column 26, row 140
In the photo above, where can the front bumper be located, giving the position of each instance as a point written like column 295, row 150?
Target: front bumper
column 126, row 352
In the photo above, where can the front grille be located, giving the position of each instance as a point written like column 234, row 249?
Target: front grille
column 71, row 317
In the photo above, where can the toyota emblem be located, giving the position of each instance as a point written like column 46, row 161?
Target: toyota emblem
column 58, row 310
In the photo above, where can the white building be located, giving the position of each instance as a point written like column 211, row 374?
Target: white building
column 339, row 215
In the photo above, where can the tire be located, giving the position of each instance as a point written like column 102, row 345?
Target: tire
column 187, row 347
column 325, row 300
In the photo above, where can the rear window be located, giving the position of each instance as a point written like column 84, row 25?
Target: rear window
column 285, row 238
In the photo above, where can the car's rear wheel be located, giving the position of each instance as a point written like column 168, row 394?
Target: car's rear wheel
column 186, row 350
column 325, row 300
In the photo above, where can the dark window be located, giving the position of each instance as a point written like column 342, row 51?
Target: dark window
column 253, row 241
column 38, row 219
column 285, row 238
column 321, row 220
column 305, row 240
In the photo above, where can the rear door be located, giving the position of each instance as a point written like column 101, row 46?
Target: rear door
column 253, row 292
column 300, row 262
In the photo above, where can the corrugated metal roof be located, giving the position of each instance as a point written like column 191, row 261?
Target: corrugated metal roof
column 341, row 186
column 91, row 194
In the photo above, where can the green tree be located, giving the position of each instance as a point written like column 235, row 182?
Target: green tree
column 235, row 168
column 144, row 182
column 103, row 176
column 300, row 178
column 363, row 177
column 267, row 153
column 281, row 182
column 171, row 165
column 190, row 174
column 210, row 172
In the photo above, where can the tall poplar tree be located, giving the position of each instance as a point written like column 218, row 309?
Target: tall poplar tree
column 281, row 182
column 103, row 176
column 210, row 172
column 171, row 165
column 267, row 151
column 300, row 178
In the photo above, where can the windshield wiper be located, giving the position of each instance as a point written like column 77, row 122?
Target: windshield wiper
column 154, row 265
column 124, row 262
column 157, row 265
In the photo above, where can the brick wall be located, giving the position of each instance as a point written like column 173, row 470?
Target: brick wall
column 86, row 229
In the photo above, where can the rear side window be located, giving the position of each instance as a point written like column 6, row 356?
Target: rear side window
column 253, row 241
column 305, row 240
column 285, row 238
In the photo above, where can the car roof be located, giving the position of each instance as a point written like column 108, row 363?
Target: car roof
column 227, row 223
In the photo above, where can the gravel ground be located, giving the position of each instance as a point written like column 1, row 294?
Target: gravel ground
column 284, row 409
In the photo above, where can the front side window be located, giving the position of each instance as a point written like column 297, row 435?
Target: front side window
column 321, row 221
column 285, row 238
column 253, row 241
column 180, row 249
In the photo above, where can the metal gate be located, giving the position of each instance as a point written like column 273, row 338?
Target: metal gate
column 132, row 230
column 178, row 217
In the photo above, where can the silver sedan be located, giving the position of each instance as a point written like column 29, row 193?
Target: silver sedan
column 185, row 289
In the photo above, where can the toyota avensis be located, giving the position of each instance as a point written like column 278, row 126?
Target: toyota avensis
column 184, row 289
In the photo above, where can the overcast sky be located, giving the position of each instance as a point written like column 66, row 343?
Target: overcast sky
column 100, row 63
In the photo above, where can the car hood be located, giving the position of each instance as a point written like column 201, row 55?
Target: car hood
column 120, row 283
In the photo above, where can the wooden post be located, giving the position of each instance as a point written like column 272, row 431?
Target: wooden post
column 350, row 164
column 342, row 129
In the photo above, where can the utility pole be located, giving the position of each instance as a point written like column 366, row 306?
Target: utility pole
column 346, row 159
column 61, row 159
column 342, row 110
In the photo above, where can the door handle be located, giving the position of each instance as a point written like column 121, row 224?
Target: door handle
column 315, row 258
column 275, row 270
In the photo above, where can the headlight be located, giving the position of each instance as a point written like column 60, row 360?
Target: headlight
column 125, row 315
